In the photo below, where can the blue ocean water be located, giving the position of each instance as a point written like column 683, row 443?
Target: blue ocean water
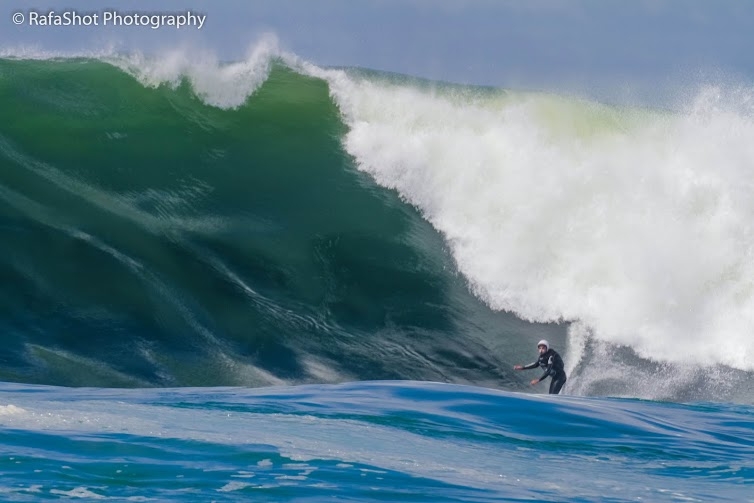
column 367, row 441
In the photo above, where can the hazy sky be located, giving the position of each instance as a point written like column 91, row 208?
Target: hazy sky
column 527, row 43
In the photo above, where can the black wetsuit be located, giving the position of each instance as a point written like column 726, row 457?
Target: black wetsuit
column 552, row 364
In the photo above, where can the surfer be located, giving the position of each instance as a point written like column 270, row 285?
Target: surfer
column 551, row 363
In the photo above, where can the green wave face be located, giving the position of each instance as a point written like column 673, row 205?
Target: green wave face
column 151, row 239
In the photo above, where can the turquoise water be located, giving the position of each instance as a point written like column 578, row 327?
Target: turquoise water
column 271, row 281
column 153, row 240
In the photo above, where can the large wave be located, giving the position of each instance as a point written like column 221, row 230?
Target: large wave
column 633, row 226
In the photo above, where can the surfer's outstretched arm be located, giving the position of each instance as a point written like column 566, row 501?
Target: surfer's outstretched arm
column 526, row 367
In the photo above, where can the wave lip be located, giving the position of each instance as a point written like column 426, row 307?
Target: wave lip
column 226, row 85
